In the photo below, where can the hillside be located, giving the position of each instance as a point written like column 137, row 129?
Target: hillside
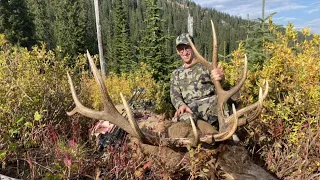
column 71, row 24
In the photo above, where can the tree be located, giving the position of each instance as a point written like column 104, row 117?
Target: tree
column 69, row 26
column 91, row 32
column 16, row 22
column 123, row 57
column 257, row 35
column 41, row 11
column 108, row 33
column 151, row 49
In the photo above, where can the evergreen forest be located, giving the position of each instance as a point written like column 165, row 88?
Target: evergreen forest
column 127, row 27
column 43, row 41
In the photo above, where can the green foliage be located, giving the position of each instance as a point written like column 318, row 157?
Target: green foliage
column 33, row 91
column 257, row 35
column 41, row 11
column 288, row 130
column 151, row 48
column 69, row 26
column 152, row 51
column 123, row 60
column 17, row 23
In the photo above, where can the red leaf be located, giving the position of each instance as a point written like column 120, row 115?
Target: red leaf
column 67, row 160
column 147, row 165
column 72, row 143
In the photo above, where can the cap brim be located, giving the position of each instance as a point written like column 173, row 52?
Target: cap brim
column 183, row 44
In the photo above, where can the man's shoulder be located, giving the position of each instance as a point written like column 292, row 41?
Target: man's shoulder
column 178, row 70
column 200, row 68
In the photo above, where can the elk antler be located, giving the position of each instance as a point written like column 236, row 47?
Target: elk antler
column 111, row 114
column 227, row 125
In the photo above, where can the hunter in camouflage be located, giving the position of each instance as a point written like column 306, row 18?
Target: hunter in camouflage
column 192, row 91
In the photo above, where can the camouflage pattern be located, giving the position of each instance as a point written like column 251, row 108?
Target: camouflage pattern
column 182, row 39
column 194, row 88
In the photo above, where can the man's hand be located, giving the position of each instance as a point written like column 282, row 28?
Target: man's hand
column 217, row 73
column 182, row 109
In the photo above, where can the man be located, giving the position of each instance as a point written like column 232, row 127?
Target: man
column 192, row 91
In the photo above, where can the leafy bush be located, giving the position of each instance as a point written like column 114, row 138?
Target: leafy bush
column 288, row 130
column 34, row 97
column 292, row 111
column 127, row 84
column 37, row 135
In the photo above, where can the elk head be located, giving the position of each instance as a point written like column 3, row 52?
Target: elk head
column 227, row 125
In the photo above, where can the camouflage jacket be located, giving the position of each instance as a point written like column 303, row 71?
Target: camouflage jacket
column 189, row 85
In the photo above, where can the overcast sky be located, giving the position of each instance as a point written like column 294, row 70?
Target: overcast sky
column 302, row 13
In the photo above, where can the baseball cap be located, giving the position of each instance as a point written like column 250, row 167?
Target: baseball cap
column 182, row 39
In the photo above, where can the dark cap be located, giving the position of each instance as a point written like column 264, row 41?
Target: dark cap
column 182, row 39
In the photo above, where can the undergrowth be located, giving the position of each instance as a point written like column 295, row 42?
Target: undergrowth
column 39, row 141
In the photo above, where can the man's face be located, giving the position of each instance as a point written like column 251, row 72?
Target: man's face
column 185, row 52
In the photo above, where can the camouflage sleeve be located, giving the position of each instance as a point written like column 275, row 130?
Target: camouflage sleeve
column 175, row 93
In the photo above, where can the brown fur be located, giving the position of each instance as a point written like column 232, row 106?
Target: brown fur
column 233, row 160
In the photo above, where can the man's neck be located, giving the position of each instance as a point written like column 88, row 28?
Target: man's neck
column 189, row 65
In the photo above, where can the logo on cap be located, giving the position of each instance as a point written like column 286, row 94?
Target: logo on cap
column 182, row 39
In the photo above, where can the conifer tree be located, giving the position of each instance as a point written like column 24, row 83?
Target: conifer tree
column 107, row 25
column 69, row 26
column 91, row 41
column 152, row 48
column 257, row 35
column 16, row 22
column 122, row 47
column 41, row 11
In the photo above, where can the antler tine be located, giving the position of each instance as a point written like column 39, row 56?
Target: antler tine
column 257, row 105
column 215, row 47
column 107, row 102
column 132, row 122
column 226, row 133
column 199, row 59
column 230, row 129
column 225, row 95
column 195, row 132
column 79, row 107
column 110, row 113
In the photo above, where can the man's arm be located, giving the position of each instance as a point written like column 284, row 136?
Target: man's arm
column 175, row 93
column 176, row 97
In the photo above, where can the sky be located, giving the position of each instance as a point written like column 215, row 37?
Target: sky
column 302, row 13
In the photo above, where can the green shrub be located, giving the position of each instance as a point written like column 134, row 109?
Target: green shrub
column 126, row 83
column 287, row 134
column 34, row 95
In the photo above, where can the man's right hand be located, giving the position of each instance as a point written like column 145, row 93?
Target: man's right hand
column 182, row 109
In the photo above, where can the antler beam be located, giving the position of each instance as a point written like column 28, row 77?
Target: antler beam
column 227, row 124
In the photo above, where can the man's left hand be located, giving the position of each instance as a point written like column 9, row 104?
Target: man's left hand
column 217, row 73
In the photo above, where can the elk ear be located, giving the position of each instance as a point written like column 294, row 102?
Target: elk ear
column 206, row 128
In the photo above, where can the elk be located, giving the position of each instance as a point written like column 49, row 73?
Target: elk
column 181, row 134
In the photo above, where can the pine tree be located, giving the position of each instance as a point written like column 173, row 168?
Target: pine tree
column 16, row 22
column 257, row 35
column 122, row 47
column 152, row 48
column 41, row 11
column 107, row 26
column 91, row 42
column 69, row 26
